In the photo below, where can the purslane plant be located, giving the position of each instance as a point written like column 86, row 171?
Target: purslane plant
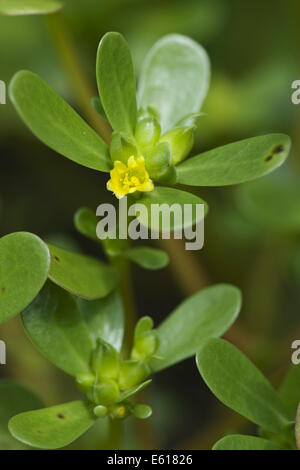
column 153, row 132
column 237, row 383
column 71, row 305
column 84, row 339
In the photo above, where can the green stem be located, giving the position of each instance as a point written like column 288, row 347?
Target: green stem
column 77, row 77
column 115, row 435
column 126, row 290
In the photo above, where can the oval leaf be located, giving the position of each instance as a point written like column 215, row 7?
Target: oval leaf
column 81, row 275
column 55, row 123
column 116, row 82
column 86, row 223
column 207, row 314
column 54, row 427
column 58, row 330
column 169, row 199
column 104, row 318
column 147, row 257
column 237, row 383
column 24, row 266
column 235, row 163
column 289, row 390
column 297, row 427
column 14, row 398
column 274, row 204
column 175, row 79
column 241, row 442
column 30, row 7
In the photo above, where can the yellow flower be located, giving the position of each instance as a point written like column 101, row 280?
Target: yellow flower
column 128, row 179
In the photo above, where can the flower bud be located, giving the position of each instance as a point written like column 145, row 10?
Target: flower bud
column 121, row 149
column 105, row 392
column 159, row 164
column 119, row 411
column 143, row 324
column 105, row 361
column 85, row 381
column 147, row 133
column 150, row 111
column 142, row 411
column 181, row 140
column 145, row 340
column 145, row 346
column 132, row 373
column 100, row 411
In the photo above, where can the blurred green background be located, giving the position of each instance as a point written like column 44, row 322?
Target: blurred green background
column 252, row 232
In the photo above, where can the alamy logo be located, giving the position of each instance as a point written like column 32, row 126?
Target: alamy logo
column 2, row 352
column 2, row 92
column 184, row 222
column 296, row 354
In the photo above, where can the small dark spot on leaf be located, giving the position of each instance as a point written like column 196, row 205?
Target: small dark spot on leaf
column 60, row 416
column 56, row 258
column 278, row 149
column 38, row 431
column 3, row 289
column 268, row 158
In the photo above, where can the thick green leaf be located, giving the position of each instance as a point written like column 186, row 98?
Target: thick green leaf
column 174, row 79
column 297, row 427
column 104, row 318
column 116, row 83
column 14, row 398
column 271, row 203
column 55, row 123
column 290, row 390
column 97, row 105
column 242, row 442
column 237, row 383
column 58, row 330
column 54, row 427
column 169, row 198
column 24, row 267
column 85, row 221
column 147, row 257
column 81, row 275
column 235, row 163
column 29, row 7
column 209, row 313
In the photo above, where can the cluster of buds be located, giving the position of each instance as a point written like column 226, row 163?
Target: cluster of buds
column 113, row 380
column 148, row 157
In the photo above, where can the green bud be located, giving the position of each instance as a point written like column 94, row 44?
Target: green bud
column 100, row 411
column 105, row 392
column 85, row 381
column 142, row 411
column 105, row 361
column 119, row 411
column 150, row 111
column 145, row 346
column 121, row 149
column 144, row 324
column 159, row 164
column 147, row 133
column 181, row 140
column 132, row 373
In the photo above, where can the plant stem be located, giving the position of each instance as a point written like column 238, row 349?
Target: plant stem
column 126, row 291
column 115, row 435
column 77, row 77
